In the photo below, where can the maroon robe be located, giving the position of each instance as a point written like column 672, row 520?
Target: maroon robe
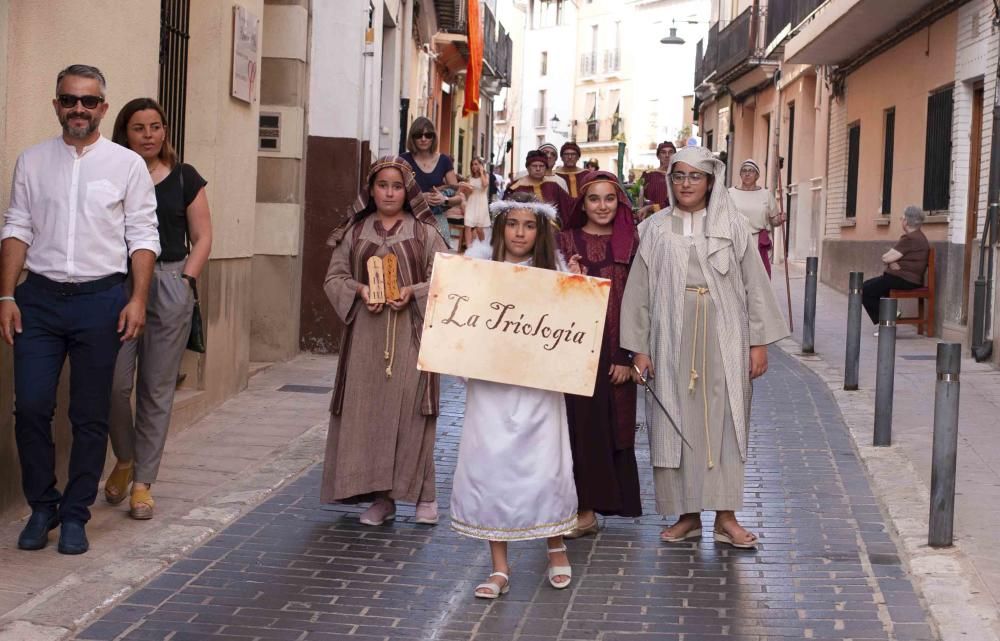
column 548, row 190
column 574, row 178
column 655, row 188
column 602, row 427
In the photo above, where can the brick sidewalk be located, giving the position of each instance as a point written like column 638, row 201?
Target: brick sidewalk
column 295, row 570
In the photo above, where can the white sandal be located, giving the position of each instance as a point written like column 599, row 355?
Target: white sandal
column 494, row 589
column 559, row 570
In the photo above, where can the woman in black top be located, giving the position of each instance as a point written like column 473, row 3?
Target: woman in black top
column 435, row 173
column 151, row 362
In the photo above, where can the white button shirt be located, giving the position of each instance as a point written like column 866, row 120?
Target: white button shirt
column 82, row 215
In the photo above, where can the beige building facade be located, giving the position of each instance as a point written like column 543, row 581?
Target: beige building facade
column 857, row 109
column 253, row 271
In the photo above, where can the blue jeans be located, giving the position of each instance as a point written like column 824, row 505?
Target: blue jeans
column 85, row 328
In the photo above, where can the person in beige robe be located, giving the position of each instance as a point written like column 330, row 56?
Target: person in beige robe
column 380, row 446
column 698, row 313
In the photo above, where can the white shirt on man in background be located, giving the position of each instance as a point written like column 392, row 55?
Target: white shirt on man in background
column 82, row 215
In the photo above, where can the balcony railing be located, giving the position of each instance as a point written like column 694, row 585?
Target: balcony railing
column 506, row 58
column 781, row 13
column 711, row 58
column 489, row 38
column 452, row 16
column 612, row 60
column 588, row 64
column 539, row 117
column 736, row 42
column 593, row 130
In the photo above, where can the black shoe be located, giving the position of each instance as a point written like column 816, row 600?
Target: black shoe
column 35, row 534
column 73, row 538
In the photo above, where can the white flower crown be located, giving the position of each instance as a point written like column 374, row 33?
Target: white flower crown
column 504, row 206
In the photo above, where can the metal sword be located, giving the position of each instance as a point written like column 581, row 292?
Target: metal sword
column 658, row 402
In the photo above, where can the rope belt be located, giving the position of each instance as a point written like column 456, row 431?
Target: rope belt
column 701, row 314
column 390, row 343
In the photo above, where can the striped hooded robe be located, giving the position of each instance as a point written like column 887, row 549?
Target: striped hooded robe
column 382, row 426
column 697, row 298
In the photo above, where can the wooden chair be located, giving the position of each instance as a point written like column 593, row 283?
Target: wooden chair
column 925, row 294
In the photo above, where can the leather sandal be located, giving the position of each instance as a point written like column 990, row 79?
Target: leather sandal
column 494, row 589
column 141, row 504
column 559, row 570
column 721, row 536
column 693, row 533
column 118, row 482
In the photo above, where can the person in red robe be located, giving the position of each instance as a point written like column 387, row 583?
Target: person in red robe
column 573, row 175
column 600, row 239
column 545, row 187
column 655, row 186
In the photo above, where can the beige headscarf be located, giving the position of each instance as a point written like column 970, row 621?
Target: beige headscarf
column 721, row 211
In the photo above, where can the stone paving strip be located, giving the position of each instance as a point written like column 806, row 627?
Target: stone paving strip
column 212, row 472
column 961, row 584
column 295, row 570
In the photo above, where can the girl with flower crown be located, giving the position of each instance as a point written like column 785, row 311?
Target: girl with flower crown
column 514, row 478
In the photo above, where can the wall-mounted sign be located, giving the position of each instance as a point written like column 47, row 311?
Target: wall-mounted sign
column 246, row 42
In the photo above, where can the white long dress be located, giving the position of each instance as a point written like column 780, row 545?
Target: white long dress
column 477, row 208
column 514, row 477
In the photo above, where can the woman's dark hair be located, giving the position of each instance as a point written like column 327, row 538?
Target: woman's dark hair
column 419, row 126
column 544, row 255
column 120, row 132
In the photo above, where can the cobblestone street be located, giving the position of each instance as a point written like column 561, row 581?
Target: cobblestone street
column 295, row 570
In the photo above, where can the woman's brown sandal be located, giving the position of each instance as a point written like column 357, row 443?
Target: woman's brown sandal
column 141, row 504
column 116, row 487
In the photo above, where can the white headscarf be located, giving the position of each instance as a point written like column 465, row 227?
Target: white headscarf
column 721, row 212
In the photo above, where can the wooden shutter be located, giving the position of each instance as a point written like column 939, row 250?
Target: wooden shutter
column 937, row 154
column 890, row 143
column 853, row 161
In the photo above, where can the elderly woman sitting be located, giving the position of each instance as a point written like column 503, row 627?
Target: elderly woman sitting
column 905, row 264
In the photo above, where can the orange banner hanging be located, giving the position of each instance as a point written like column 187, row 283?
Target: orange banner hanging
column 475, row 68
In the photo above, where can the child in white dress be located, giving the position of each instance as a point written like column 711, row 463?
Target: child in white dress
column 477, row 208
column 514, row 477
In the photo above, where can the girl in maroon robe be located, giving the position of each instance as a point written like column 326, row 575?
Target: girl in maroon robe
column 602, row 240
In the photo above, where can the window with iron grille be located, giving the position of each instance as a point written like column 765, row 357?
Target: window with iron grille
column 175, row 16
column 853, row 163
column 887, row 148
column 937, row 154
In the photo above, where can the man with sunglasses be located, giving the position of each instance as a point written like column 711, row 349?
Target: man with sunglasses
column 80, row 207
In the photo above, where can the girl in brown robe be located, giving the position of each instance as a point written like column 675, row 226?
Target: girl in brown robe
column 601, row 238
column 380, row 446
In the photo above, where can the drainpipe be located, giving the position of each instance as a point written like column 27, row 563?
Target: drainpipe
column 404, row 88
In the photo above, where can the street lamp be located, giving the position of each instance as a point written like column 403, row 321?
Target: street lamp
column 673, row 38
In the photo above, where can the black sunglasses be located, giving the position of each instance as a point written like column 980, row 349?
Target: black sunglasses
column 424, row 134
column 68, row 101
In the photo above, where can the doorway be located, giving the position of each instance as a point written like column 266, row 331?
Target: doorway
column 971, row 213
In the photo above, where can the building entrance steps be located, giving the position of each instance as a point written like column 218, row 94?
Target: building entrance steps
column 962, row 584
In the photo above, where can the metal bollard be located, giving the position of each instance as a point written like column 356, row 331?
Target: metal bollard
column 944, row 455
column 809, row 312
column 853, row 357
column 885, row 371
